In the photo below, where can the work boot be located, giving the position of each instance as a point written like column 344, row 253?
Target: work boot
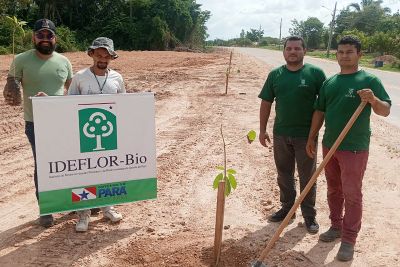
column 46, row 221
column 346, row 252
column 280, row 216
column 82, row 224
column 330, row 235
column 311, row 225
column 112, row 214
column 94, row 211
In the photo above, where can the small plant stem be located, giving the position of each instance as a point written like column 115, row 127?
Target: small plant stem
column 223, row 141
column 13, row 49
column 228, row 71
column 219, row 221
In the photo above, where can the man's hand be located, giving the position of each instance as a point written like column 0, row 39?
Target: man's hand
column 367, row 95
column 310, row 148
column 41, row 94
column 262, row 137
column 12, row 92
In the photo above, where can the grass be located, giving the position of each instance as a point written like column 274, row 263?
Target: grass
column 365, row 61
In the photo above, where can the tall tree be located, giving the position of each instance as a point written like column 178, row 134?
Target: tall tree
column 364, row 16
column 255, row 35
column 311, row 30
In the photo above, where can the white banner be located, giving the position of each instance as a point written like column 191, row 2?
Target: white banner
column 94, row 140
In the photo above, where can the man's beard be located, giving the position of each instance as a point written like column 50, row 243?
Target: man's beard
column 102, row 65
column 45, row 49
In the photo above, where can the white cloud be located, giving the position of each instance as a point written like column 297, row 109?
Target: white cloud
column 229, row 17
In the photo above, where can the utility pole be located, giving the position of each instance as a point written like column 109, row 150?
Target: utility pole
column 330, row 31
column 280, row 34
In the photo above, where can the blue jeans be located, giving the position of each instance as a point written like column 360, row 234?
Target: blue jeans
column 30, row 133
column 289, row 151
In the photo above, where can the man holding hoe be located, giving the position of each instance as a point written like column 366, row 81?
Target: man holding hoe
column 339, row 97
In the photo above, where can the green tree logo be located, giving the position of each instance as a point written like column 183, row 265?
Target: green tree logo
column 97, row 130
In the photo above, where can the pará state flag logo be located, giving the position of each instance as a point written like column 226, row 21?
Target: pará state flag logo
column 82, row 194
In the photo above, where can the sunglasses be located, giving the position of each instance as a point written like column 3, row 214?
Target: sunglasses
column 42, row 36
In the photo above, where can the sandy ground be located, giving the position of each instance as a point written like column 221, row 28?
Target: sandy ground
column 177, row 229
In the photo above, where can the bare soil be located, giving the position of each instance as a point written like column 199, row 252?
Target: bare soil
column 177, row 229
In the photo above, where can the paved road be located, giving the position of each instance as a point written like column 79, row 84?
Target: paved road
column 391, row 80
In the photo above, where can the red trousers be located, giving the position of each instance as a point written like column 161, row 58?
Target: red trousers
column 344, row 174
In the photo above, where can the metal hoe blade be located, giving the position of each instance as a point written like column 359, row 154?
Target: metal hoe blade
column 257, row 263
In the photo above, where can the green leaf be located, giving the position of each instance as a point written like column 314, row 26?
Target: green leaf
column 220, row 168
column 227, row 189
column 10, row 19
column 251, row 136
column 232, row 181
column 231, row 171
column 217, row 179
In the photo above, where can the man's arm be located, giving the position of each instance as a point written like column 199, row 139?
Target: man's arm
column 12, row 91
column 380, row 107
column 121, row 82
column 265, row 111
column 67, row 84
column 316, row 124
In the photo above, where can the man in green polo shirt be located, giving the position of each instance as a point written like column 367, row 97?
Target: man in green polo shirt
column 41, row 71
column 294, row 88
column 338, row 99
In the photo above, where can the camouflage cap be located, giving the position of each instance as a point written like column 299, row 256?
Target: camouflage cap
column 104, row 42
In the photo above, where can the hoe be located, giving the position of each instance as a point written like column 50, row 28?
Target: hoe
column 264, row 253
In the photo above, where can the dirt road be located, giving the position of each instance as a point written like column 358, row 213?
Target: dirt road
column 177, row 229
column 391, row 80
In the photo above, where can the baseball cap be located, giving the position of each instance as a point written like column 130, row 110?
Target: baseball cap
column 104, row 42
column 44, row 24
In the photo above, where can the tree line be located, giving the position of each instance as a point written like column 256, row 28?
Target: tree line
column 377, row 28
column 132, row 24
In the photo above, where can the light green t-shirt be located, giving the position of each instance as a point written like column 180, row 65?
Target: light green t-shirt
column 37, row 75
column 338, row 100
column 295, row 93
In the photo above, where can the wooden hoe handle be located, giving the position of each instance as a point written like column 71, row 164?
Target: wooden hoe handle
column 313, row 179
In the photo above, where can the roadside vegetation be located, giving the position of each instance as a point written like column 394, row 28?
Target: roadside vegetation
column 132, row 24
column 367, row 60
column 376, row 26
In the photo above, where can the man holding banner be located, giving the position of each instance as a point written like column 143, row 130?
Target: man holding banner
column 41, row 71
column 98, row 79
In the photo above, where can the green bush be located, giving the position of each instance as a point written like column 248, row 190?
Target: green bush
column 4, row 50
column 66, row 40
column 24, row 42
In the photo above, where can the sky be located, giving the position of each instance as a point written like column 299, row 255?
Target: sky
column 229, row 17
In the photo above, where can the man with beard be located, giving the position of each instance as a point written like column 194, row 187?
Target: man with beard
column 294, row 87
column 98, row 79
column 41, row 71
